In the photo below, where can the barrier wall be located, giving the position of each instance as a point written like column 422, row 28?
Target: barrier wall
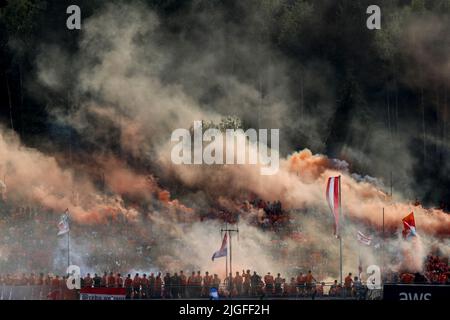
column 36, row 293
column 416, row 292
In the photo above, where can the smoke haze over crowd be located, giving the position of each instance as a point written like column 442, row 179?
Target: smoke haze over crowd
column 133, row 76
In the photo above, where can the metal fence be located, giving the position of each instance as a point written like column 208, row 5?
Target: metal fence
column 396, row 291
column 24, row 292
column 36, row 292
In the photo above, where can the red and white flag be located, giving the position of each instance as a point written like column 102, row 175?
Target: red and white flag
column 409, row 226
column 363, row 239
column 63, row 225
column 334, row 197
column 223, row 249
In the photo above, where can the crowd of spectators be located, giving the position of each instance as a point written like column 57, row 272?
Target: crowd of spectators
column 436, row 269
column 180, row 285
column 271, row 215
column 198, row 285
column 435, row 272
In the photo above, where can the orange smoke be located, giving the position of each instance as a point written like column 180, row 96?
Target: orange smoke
column 300, row 184
column 123, row 181
column 364, row 201
column 164, row 196
column 307, row 166
column 33, row 178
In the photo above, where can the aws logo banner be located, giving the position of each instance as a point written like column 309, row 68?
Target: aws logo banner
column 416, row 292
column 415, row 296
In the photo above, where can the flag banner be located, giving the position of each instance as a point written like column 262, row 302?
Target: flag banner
column 409, row 226
column 363, row 239
column 223, row 249
column 63, row 225
column 102, row 294
column 333, row 198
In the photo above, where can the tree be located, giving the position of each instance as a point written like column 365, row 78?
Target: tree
column 21, row 20
column 20, row 17
column 293, row 24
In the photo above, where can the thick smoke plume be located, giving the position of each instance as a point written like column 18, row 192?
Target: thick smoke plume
column 132, row 89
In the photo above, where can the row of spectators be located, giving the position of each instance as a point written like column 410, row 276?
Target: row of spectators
column 196, row 285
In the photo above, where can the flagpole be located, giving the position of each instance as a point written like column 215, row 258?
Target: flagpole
column 339, row 231
column 340, row 257
column 226, row 262
column 226, row 258
column 68, row 239
column 68, row 248
column 228, row 232
column 359, row 262
column 382, row 249
column 230, row 280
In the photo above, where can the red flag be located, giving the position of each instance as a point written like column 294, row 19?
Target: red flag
column 409, row 225
column 333, row 198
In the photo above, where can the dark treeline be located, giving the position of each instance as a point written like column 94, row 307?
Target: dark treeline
column 380, row 96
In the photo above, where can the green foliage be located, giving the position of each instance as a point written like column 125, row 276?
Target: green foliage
column 388, row 38
column 330, row 62
column 20, row 16
column 266, row 16
column 293, row 20
column 228, row 122
column 441, row 5
column 418, row 5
